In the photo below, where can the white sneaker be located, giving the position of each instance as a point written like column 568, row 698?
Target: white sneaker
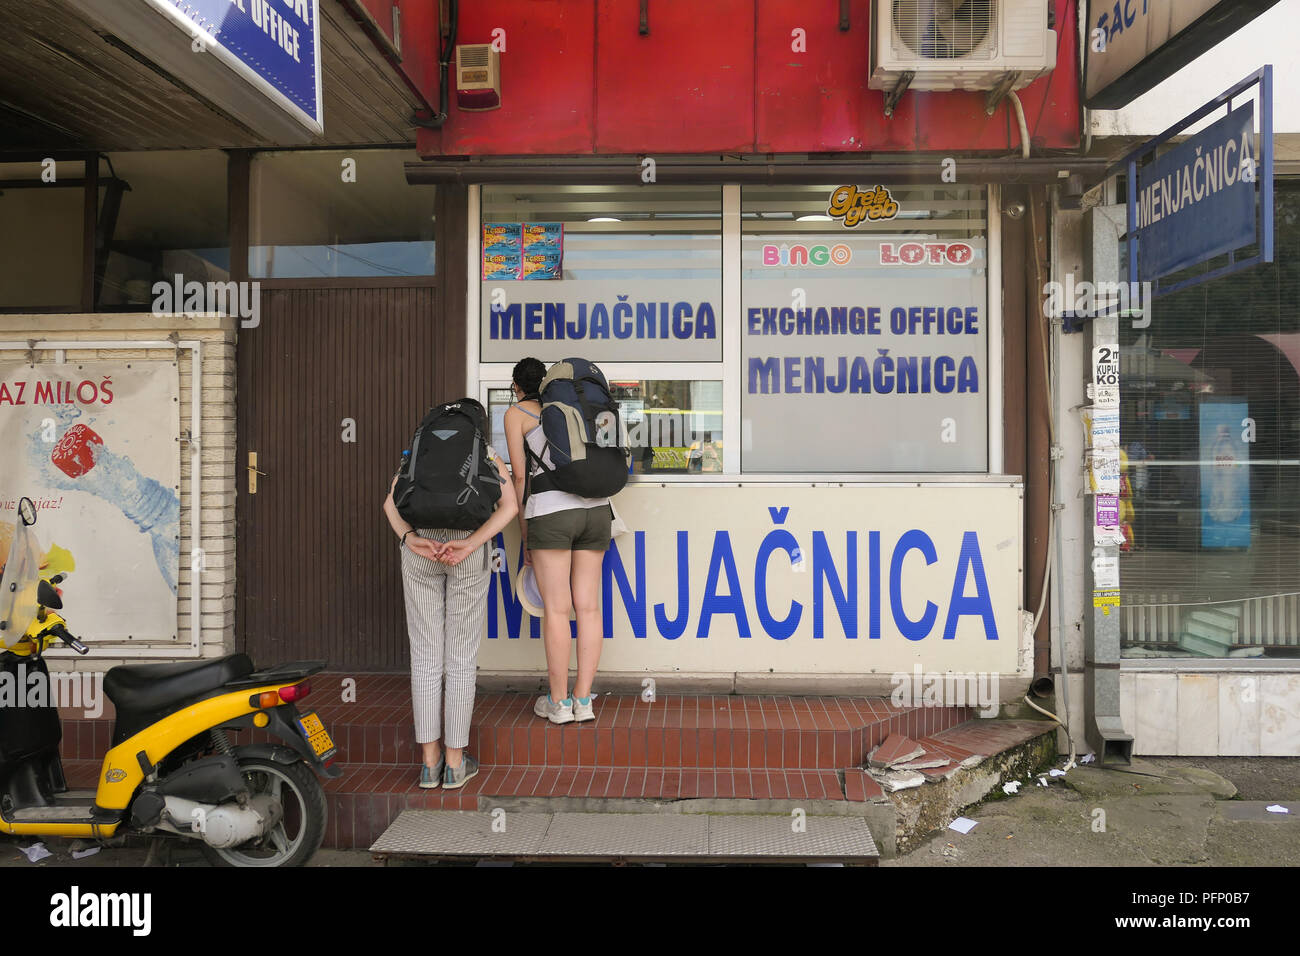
column 557, row 712
column 583, row 711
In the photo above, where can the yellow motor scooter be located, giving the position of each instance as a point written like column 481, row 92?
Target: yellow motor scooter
column 172, row 769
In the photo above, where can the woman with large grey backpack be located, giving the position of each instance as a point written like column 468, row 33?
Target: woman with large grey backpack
column 568, row 455
column 450, row 496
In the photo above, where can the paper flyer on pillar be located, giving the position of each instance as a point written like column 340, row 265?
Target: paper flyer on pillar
column 93, row 444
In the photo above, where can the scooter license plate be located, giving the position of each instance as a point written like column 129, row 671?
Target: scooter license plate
column 316, row 735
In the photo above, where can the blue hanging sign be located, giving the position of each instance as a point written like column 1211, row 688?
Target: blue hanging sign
column 1197, row 201
column 273, row 44
column 257, row 60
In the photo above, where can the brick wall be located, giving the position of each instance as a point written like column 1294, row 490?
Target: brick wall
column 216, row 598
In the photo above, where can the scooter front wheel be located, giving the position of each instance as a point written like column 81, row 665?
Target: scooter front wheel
column 298, row 834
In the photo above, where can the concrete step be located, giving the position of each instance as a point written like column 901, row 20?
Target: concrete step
column 627, row 837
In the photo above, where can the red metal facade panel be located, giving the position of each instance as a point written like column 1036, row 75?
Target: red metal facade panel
column 578, row 78
column 547, row 81
column 382, row 11
column 419, row 41
column 688, row 87
column 818, row 101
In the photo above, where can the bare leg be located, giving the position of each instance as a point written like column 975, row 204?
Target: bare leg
column 585, row 584
column 552, row 570
column 432, row 751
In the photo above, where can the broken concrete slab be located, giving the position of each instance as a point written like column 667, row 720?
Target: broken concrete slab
column 926, row 762
column 897, row 748
column 1144, row 778
column 904, row 780
column 946, row 772
column 1056, row 828
column 973, row 761
column 925, row 810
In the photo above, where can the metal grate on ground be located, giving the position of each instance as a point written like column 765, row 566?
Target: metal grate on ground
column 451, row 835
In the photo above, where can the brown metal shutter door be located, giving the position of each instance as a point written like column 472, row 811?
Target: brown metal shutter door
column 318, row 564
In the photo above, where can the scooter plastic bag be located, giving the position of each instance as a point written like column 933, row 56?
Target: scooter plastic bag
column 18, row 584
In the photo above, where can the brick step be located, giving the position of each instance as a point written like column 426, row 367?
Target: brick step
column 805, row 733
column 365, row 800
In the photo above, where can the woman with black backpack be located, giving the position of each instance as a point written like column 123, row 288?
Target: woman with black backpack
column 455, row 486
column 565, row 537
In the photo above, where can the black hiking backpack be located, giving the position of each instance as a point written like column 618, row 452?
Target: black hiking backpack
column 448, row 479
column 584, row 434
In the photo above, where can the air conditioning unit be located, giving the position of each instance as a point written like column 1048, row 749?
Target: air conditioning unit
column 478, row 77
column 960, row 44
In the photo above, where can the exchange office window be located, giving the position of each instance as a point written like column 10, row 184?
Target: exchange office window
column 618, row 276
column 1210, row 471
column 41, row 242
column 162, row 215
column 338, row 213
column 675, row 427
column 865, row 340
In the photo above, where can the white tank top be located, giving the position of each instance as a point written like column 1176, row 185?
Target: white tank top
column 549, row 502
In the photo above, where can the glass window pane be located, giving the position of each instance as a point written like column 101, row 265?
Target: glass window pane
column 1210, row 487
column 673, row 426
column 627, row 274
column 163, row 214
column 338, row 213
column 865, row 346
column 41, row 242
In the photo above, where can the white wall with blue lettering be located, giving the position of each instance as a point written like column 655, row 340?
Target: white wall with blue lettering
column 720, row 578
column 877, row 363
column 607, row 320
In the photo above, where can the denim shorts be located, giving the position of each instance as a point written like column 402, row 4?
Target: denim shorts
column 575, row 529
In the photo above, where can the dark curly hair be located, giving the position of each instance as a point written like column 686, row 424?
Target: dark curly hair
column 528, row 374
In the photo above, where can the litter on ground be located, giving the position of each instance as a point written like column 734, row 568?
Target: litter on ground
column 35, row 853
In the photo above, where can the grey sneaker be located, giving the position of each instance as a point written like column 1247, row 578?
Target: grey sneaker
column 582, row 709
column 454, row 778
column 431, row 777
column 557, row 712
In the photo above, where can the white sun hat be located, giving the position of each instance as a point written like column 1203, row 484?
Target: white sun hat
column 529, row 594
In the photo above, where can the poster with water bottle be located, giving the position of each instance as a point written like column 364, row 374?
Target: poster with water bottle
column 1225, row 475
column 94, row 445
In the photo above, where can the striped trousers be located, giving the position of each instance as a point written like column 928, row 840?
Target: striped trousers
column 445, row 612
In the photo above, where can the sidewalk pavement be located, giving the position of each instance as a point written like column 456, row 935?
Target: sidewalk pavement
column 1187, row 811
column 1190, row 811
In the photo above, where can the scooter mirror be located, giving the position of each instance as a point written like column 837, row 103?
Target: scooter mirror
column 48, row 597
column 27, row 512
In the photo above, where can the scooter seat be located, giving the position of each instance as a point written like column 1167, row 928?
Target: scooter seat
column 150, row 687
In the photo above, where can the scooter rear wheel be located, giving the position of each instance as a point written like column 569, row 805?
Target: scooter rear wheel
column 298, row 834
